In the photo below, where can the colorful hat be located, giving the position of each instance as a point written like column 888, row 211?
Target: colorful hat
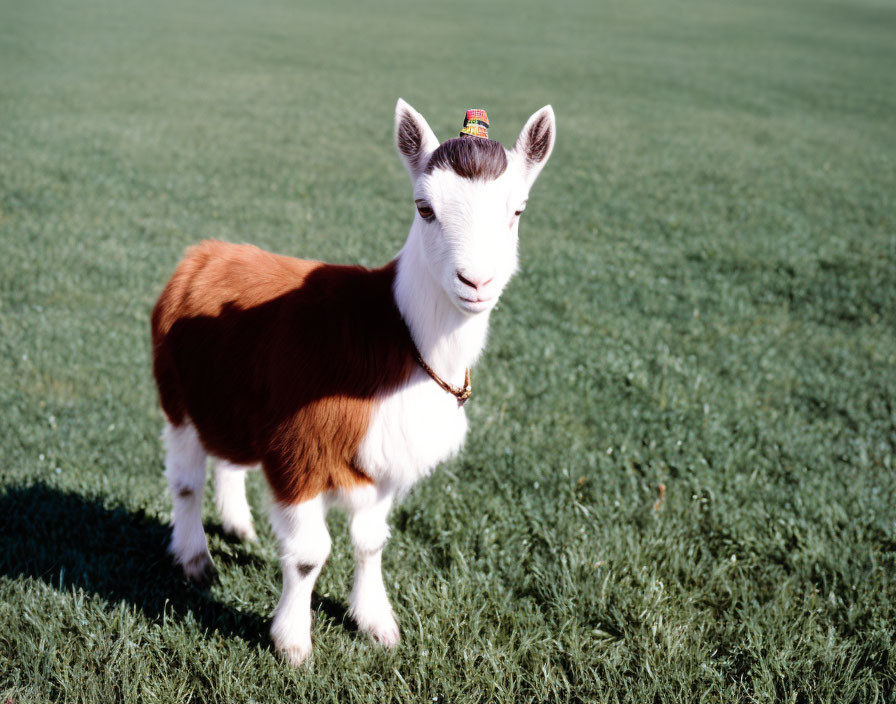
column 475, row 124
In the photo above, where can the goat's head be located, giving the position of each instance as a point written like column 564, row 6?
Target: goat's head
column 469, row 193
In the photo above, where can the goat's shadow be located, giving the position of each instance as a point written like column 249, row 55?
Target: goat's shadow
column 69, row 541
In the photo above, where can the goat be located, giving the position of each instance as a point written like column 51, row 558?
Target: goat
column 339, row 381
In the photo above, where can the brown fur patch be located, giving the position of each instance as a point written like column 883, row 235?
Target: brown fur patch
column 470, row 157
column 278, row 360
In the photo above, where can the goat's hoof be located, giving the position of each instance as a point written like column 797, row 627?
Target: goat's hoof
column 241, row 531
column 199, row 568
column 384, row 631
column 294, row 654
column 387, row 637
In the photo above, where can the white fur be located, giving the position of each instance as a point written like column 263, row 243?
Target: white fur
column 475, row 233
column 304, row 544
column 369, row 530
column 185, row 470
column 450, row 273
column 230, row 499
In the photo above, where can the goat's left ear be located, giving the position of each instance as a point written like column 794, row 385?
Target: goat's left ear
column 536, row 142
column 414, row 138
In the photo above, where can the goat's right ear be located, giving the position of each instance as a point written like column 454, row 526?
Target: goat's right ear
column 414, row 138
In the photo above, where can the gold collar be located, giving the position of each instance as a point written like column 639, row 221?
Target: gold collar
column 460, row 394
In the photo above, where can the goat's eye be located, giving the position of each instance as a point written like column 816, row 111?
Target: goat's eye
column 425, row 210
column 518, row 213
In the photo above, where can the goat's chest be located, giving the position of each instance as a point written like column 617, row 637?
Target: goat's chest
column 411, row 431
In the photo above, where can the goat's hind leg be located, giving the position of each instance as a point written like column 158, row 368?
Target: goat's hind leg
column 185, row 470
column 230, row 498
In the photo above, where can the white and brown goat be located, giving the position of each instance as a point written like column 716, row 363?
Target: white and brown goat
column 317, row 372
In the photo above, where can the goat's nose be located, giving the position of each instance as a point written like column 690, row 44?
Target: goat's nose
column 474, row 283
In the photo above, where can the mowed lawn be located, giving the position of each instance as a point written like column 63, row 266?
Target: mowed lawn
column 707, row 303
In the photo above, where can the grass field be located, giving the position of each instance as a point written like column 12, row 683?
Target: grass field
column 707, row 301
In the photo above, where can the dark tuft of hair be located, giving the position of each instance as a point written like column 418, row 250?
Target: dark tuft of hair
column 539, row 139
column 409, row 138
column 470, row 157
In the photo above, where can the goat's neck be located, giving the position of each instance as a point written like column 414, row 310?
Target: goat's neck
column 449, row 340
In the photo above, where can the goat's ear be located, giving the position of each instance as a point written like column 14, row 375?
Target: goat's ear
column 536, row 142
column 414, row 138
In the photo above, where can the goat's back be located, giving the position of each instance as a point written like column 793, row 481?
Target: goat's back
column 278, row 360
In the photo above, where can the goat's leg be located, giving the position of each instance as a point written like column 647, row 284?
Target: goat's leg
column 370, row 605
column 230, row 498
column 185, row 470
column 304, row 544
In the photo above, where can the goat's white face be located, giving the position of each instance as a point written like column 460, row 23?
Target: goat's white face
column 469, row 194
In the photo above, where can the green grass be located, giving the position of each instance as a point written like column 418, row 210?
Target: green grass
column 707, row 301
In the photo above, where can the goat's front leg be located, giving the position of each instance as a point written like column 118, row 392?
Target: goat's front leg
column 369, row 603
column 304, row 544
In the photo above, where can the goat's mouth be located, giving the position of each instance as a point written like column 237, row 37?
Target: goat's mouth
column 476, row 305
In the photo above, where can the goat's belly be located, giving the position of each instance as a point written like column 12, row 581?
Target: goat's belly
column 410, row 432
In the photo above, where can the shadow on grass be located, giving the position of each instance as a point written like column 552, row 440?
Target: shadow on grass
column 67, row 541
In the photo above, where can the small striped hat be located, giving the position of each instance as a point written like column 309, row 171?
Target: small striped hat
column 475, row 124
